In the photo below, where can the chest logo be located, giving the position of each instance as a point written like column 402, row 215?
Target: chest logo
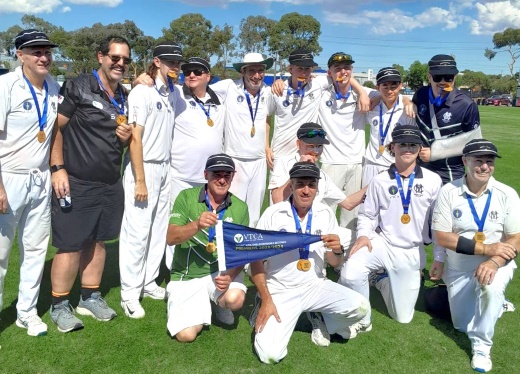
column 159, row 105
column 457, row 213
column 446, row 118
column 422, row 109
column 97, row 104
column 240, row 98
column 418, row 189
column 27, row 106
column 375, row 122
column 493, row 215
column 393, row 190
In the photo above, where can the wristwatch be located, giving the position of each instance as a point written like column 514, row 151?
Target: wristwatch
column 55, row 168
column 341, row 253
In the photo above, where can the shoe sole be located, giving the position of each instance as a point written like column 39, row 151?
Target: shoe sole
column 150, row 296
column 87, row 312
column 76, row 327
column 367, row 329
column 29, row 332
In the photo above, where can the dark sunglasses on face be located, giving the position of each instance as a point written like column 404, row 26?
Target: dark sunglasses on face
column 339, row 58
column 313, row 134
column 447, row 78
column 116, row 58
column 197, row 72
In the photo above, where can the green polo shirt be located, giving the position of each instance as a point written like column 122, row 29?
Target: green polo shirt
column 190, row 259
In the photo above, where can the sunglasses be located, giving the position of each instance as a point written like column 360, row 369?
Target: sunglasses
column 339, row 58
column 313, row 134
column 447, row 78
column 116, row 58
column 197, row 72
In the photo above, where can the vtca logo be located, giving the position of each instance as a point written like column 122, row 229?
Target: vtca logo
column 240, row 238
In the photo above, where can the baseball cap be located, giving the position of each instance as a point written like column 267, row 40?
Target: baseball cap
column 220, row 162
column 388, row 75
column 304, row 170
column 340, row 57
column 312, row 133
column 302, row 57
column 196, row 63
column 442, row 65
column 480, row 147
column 32, row 38
column 406, row 134
column 168, row 51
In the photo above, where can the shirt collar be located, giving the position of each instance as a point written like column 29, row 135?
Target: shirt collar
column 213, row 98
column 464, row 187
column 225, row 204
column 392, row 169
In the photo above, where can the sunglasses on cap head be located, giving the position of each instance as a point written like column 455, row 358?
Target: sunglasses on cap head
column 116, row 58
column 197, row 72
column 447, row 78
column 341, row 57
column 313, row 134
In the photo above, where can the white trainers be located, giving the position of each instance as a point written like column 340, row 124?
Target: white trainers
column 34, row 325
column 159, row 293
column 133, row 308
column 224, row 315
column 353, row 330
column 320, row 335
column 481, row 362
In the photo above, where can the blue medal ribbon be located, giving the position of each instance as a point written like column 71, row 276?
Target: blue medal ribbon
column 212, row 232
column 170, row 85
column 439, row 100
column 300, row 91
column 405, row 200
column 382, row 134
column 479, row 221
column 203, row 107
column 253, row 115
column 304, row 252
column 119, row 107
column 42, row 118
column 339, row 96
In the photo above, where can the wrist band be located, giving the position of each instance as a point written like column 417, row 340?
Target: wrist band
column 341, row 253
column 465, row 246
column 55, row 168
column 496, row 263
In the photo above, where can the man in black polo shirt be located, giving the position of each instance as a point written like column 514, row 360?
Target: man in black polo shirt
column 86, row 163
column 456, row 120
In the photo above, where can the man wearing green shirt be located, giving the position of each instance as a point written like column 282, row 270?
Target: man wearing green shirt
column 195, row 280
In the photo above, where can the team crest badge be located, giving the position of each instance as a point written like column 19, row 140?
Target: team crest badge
column 393, row 190
column 311, row 96
column 375, row 122
column 493, row 215
column 159, row 105
column 457, row 213
column 240, row 99
column 228, row 219
column 193, row 103
column 286, row 103
column 317, row 232
column 422, row 109
column 27, row 106
column 446, row 118
column 418, row 190
column 329, row 103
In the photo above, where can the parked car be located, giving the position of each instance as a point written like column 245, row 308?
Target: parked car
column 493, row 100
column 506, row 99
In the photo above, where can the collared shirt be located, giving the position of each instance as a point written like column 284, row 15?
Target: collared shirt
column 190, row 259
column 20, row 150
column 453, row 214
column 382, row 209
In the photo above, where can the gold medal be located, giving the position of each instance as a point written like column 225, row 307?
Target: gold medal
column 301, row 79
column 405, row 219
column 210, row 122
column 381, row 149
column 303, row 265
column 172, row 74
column 479, row 237
column 447, row 89
column 211, row 247
column 253, row 131
column 120, row 119
column 41, row 136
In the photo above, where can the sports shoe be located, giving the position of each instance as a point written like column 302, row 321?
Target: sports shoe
column 353, row 330
column 254, row 312
column 508, row 306
column 133, row 308
column 375, row 277
column 95, row 306
column 224, row 315
column 320, row 335
column 34, row 325
column 62, row 315
column 481, row 362
column 158, row 293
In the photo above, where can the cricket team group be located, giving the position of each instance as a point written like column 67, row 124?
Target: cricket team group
column 159, row 167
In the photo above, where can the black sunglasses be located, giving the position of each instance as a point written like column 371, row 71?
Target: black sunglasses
column 116, row 58
column 197, row 72
column 447, row 78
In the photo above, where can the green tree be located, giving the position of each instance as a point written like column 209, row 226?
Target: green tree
column 506, row 41
column 417, row 75
column 142, row 53
column 7, row 39
column 254, row 33
column 223, row 45
column 192, row 31
column 369, row 84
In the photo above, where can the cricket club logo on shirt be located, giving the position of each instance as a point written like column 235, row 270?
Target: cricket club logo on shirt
column 446, row 118
column 493, row 216
column 422, row 109
column 240, row 98
column 457, row 213
column 311, row 96
column 317, row 232
column 228, row 219
column 375, row 122
column 418, row 190
column 159, row 105
column 193, row 103
column 27, row 106
column 393, row 190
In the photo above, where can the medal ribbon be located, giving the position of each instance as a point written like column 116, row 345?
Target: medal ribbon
column 479, row 221
column 253, row 115
column 405, row 200
column 212, row 232
column 170, row 85
column 339, row 96
column 119, row 107
column 202, row 106
column 382, row 134
column 439, row 100
column 300, row 91
column 42, row 119
column 304, row 252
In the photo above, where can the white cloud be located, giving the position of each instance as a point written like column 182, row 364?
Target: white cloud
column 29, row 6
column 107, row 3
column 495, row 16
column 66, row 9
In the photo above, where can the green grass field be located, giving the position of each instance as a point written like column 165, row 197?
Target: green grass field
column 426, row 345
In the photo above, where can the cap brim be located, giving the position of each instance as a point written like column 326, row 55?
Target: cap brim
column 38, row 43
column 408, row 139
column 482, row 153
column 389, row 79
column 442, row 70
column 268, row 63
column 315, row 140
column 221, row 168
column 170, row 58
column 193, row 65
column 303, row 174
column 304, row 64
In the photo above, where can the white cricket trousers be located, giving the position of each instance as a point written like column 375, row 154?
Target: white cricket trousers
column 143, row 231
column 29, row 211
column 370, row 170
column 474, row 308
column 401, row 289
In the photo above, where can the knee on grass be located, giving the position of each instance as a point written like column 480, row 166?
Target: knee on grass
column 189, row 334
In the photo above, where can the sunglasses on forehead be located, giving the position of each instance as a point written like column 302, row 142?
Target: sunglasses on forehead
column 116, row 58
column 313, row 134
column 339, row 58
column 197, row 72
column 447, row 78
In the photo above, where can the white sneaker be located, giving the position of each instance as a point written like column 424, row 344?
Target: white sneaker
column 355, row 329
column 320, row 335
column 34, row 325
column 481, row 362
column 224, row 315
column 508, row 306
column 159, row 293
column 133, row 309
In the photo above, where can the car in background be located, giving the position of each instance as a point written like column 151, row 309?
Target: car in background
column 506, row 99
column 497, row 100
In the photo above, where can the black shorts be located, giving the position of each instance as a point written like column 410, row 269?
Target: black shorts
column 95, row 215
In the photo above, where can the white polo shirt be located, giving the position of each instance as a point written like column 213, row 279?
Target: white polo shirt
column 453, row 214
column 328, row 192
column 289, row 118
column 399, row 117
column 193, row 139
column 154, row 109
column 20, row 150
column 238, row 141
column 382, row 208
column 281, row 271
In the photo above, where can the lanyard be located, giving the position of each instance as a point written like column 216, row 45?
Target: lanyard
column 479, row 221
column 300, row 91
column 119, row 107
column 405, row 200
column 211, row 230
column 339, row 96
column 203, row 107
column 382, row 134
column 304, row 252
column 42, row 118
column 439, row 100
column 253, row 115
column 170, row 84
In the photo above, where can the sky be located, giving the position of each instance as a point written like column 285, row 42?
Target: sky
column 377, row 33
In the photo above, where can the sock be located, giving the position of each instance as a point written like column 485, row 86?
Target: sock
column 59, row 297
column 87, row 291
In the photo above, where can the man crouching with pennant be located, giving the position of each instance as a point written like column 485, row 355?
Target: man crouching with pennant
column 195, row 280
column 293, row 282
